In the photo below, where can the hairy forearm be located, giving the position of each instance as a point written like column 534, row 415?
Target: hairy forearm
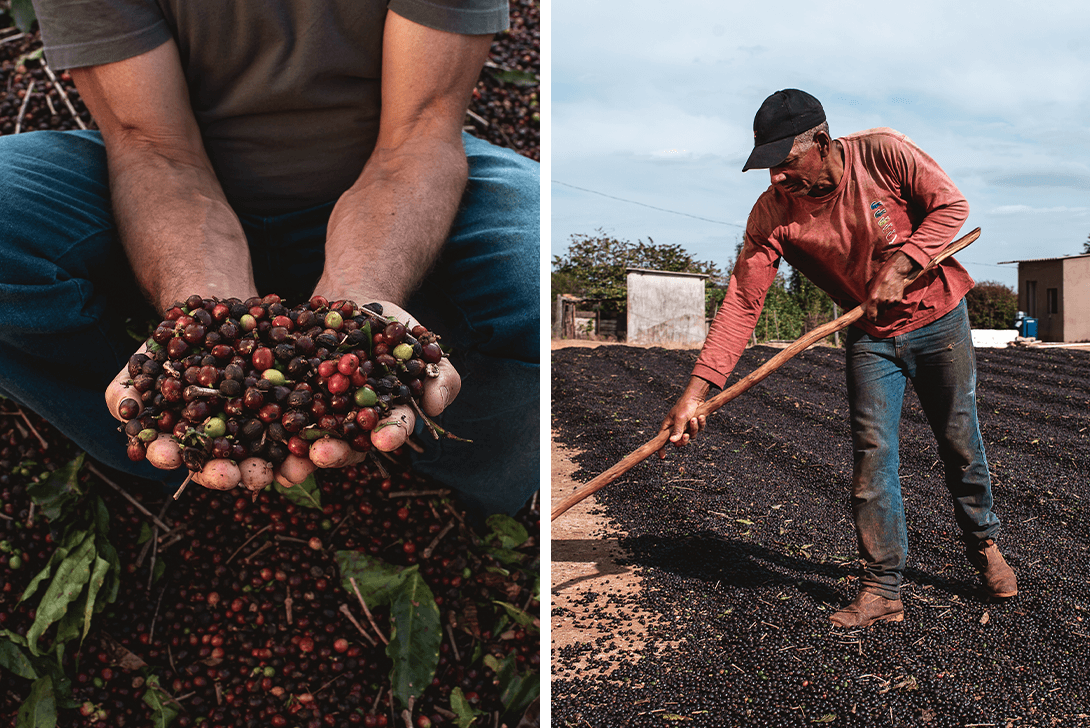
column 387, row 230
column 179, row 233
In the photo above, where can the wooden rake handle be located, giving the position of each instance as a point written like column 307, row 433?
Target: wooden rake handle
column 711, row 405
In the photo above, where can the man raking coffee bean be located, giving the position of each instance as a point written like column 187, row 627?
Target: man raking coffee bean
column 858, row 215
column 255, row 149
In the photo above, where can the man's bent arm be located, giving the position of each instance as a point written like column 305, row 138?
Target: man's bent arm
column 388, row 228
column 179, row 232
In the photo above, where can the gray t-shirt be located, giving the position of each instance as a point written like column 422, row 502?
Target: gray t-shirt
column 286, row 92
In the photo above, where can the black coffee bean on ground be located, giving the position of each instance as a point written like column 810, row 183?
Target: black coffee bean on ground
column 745, row 546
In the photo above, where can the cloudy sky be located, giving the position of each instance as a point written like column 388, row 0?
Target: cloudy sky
column 653, row 103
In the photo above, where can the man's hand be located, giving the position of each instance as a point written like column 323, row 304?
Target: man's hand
column 682, row 420
column 887, row 288
column 393, row 430
column 255, row 473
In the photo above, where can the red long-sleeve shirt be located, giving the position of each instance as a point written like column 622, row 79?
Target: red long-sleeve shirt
column 891, row 197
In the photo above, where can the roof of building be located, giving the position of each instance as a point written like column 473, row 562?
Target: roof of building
column 666, row 272
column 1042, row 260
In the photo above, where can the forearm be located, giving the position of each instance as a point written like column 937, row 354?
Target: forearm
column 387, row 230
column 179, row 233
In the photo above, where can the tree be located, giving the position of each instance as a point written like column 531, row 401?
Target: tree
column 815, row 306
column 992, row 305
column 1086, row 245
column 594, row 267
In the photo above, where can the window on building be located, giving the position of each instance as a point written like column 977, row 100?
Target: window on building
column 1031, row 299
column 1052, row 294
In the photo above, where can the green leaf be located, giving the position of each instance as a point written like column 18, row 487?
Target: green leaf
column 102, row 516
column 414, row 647
column 98, row 578
column 464, row 712
column 827, row 718
column 68, row 627
column 162, row 713
column 40, row 708
column 22, row 12
column 508, row 556
column 65, row 588
column 14, row 660
column 57, row 557
column 305, row 494
column 518, row 78
column 510, row 532
column 112, row 583
column 516, row 691
column 519, row 616
column 378, row 581
column 59, row 494
column 145, row 533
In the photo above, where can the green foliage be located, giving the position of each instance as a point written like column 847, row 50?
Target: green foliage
column 594, row 267
column 992, row 305
column 80, row 579
column 414, row 646
column 305, row 494
column 22, row 13
column 782, row 317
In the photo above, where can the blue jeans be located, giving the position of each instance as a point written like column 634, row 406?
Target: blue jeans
column 941, row 362
column 66, row 291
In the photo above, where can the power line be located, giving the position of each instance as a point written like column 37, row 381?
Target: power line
column 642, row 204
column 697, row 217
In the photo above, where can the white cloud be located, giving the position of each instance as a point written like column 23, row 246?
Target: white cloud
column 1027, row 210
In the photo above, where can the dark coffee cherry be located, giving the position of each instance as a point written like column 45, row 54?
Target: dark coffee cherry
column 128, row 408
column 300, row 399
column 276, row 453
column 277, row 433
column 252, row 429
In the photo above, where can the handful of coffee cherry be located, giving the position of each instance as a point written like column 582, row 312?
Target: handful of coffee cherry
column 241, row 379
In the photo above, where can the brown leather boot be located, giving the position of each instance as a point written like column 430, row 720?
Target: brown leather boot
column 998, row 577
column 869, row 607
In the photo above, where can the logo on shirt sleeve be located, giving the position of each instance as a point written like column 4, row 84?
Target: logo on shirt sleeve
column 884, row 223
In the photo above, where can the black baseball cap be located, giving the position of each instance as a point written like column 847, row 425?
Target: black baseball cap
column 783, row 116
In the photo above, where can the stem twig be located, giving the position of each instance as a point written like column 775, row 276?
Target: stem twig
column 367, row 611
column 45, row 445
column 453, row 646
column 418, row 493
column 251, row 538
column 346, row 612
column 435, row 541
column 64, row 96
column 183, row 485
column 22, row 107
column 125, row 494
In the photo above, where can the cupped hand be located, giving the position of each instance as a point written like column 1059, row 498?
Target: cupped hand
column 254, row 473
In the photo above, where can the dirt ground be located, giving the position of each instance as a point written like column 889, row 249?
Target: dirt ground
column 736, row 549
column 586, row 575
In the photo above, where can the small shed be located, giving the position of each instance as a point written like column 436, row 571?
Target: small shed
column 665, row 307
column 1056, row 292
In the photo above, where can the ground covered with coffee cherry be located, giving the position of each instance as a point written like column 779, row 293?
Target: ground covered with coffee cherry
column 745, row 546
column 223, row 610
